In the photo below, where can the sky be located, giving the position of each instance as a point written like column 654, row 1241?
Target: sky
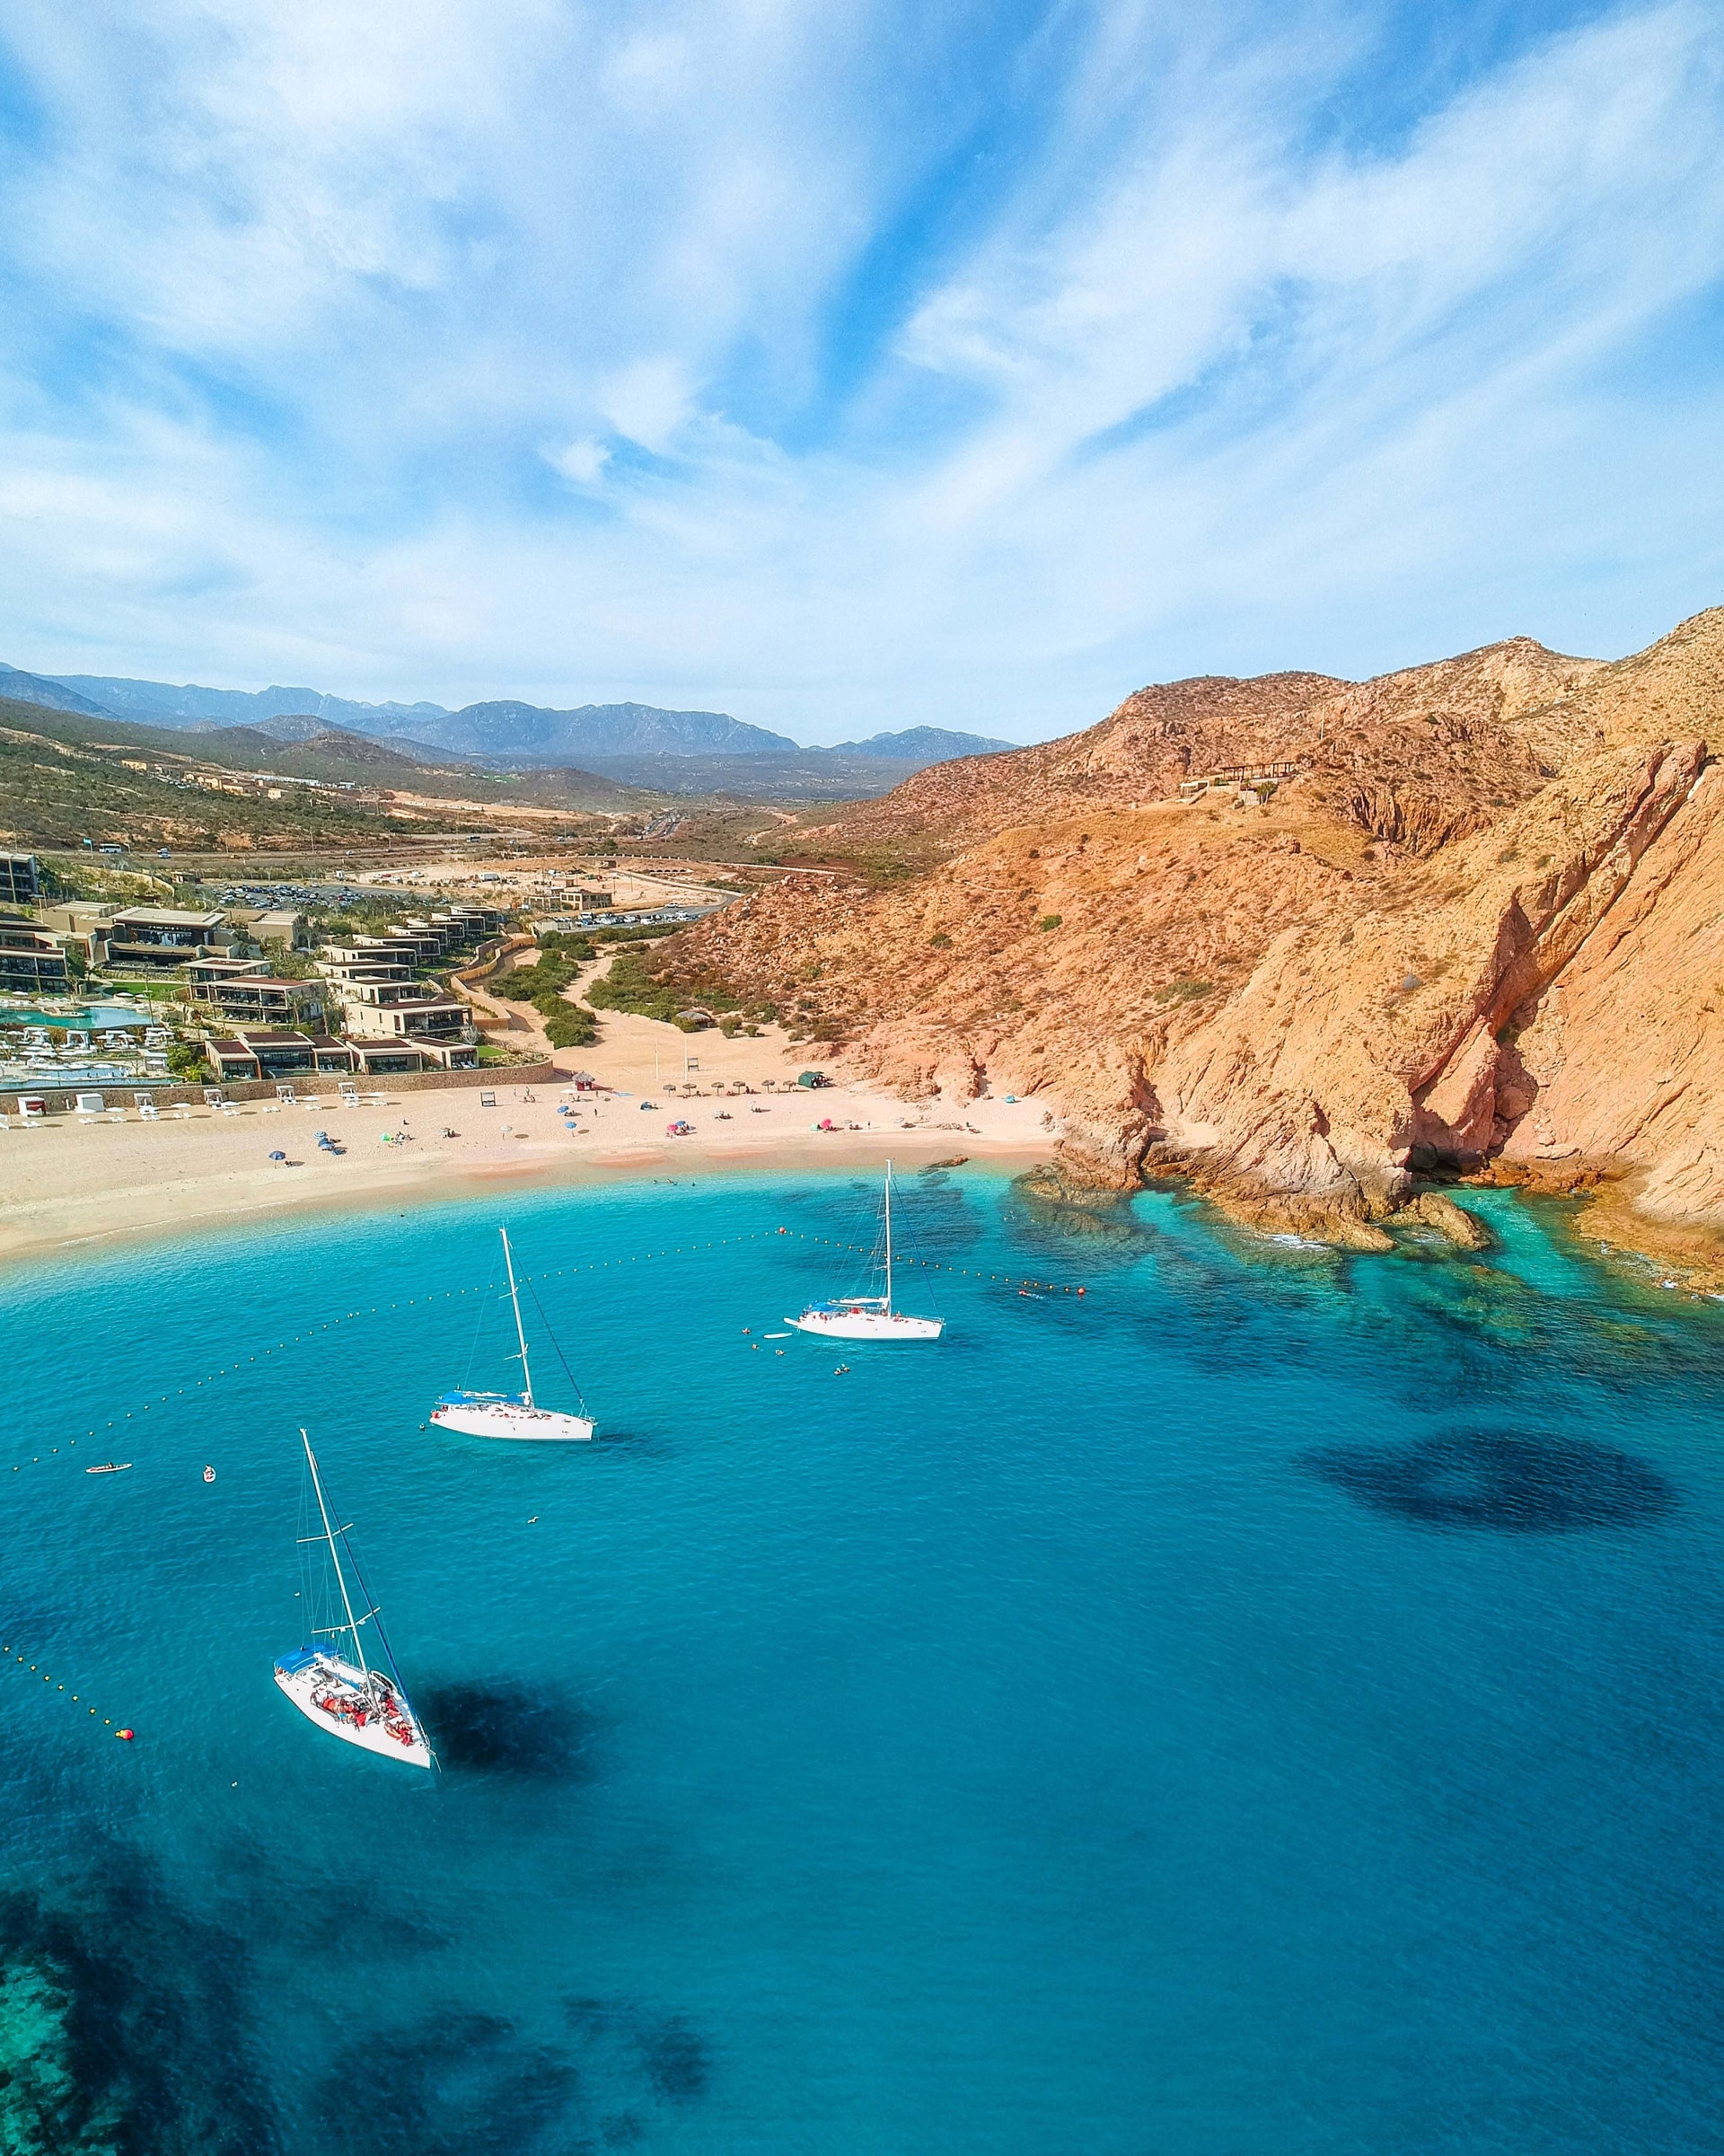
column 855, row 363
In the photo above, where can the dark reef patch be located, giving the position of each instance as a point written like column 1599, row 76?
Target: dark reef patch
column 468, row 2084
column 455, row 2084
column 623, row 2043
column 535, row 1732
column 1514, row 1483
column 122, row 2027
column 1048, row 1214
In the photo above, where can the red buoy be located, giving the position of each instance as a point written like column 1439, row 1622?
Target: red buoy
column 125, row 1736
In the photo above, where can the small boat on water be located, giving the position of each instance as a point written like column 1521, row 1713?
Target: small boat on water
column 868, row 1316
column 513, row 1415
column 360, row 1699
column 110, row 1467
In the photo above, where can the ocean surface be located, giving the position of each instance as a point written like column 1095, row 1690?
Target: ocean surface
column 1269, row 1706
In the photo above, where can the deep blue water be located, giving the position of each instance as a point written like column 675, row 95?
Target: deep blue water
column 1269, row 1705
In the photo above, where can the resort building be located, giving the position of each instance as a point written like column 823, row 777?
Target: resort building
column 32, row 960
column 264, row 1052
column 153, row 937
column 383, row 1056
column 21, row 880
column 279, row 925
column 372, row 958
column 201, row 972
column 383, row 1010
column 251, row 994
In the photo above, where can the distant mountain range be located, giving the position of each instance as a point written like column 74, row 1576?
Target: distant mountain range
column 508, row 735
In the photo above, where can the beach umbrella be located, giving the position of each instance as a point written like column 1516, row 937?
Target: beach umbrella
column 277, row 1156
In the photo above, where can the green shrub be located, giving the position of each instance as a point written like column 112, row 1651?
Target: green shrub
column 942, row 942
column 1185, row 989
column 1049, row 920
column 186, row 1062
column 571, row 1027
column 630, row 985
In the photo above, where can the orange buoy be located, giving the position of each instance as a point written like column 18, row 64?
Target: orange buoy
column 125, row 1736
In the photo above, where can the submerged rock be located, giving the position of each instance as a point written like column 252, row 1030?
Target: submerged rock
column 1466, row 1230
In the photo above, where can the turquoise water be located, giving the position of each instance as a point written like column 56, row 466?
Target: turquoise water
column 1269, row 1705
column 97, row 1017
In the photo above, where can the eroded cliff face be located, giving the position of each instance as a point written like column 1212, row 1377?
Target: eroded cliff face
column 1478, row 928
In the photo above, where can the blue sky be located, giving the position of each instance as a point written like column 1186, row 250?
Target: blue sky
column 850, row 366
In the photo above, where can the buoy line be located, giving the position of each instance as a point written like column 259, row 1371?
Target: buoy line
column 75, row 1698
column 970, row 1273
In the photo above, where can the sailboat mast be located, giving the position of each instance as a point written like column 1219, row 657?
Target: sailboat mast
column 888, row 1238
column 520, row 1332
column 335, row 1555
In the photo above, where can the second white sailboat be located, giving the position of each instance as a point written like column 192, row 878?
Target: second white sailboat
column 869, row 1316
column 511, row 1414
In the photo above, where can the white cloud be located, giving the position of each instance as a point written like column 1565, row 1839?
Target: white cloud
column 583, row 462
column 293, row 308
column 648, row 401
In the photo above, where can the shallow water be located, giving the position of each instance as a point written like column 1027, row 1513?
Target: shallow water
column 1271, row 1703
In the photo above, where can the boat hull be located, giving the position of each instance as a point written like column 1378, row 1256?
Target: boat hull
column 334, row 1694
column 841, row 1324
column 513, row 1420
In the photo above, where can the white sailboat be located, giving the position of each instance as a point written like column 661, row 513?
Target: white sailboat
column 511, row 1414
column 360, row 1701
column 868, row 1316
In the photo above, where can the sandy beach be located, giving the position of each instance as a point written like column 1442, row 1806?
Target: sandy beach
column 67, row 1185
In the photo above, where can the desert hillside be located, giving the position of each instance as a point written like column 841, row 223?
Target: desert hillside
column 1470, row 919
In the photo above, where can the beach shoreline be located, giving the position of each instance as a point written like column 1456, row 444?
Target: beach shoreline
column 67, row 1187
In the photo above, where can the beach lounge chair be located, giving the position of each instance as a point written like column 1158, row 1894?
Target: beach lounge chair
column 228, row 1108
column 148, row 1111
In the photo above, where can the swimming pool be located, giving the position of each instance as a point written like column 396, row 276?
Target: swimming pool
column 96, row 1018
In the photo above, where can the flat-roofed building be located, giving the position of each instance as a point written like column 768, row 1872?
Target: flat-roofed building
column 426, row 947
column 21, row 880
column 263, row 1052
column 400, row 1055
column 409, row 1017
column 79, row 916
column 199, row 972
column 280, row 925
column 480, row 921
column 32, row 960
column 261, row 999
column 364, row 959
column 156, row 936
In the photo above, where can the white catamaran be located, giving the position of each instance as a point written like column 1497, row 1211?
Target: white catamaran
column 510, row 1414
column 357, row 1700
column 868, row 1316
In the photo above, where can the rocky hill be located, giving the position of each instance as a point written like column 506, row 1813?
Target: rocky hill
column 1472, row 923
